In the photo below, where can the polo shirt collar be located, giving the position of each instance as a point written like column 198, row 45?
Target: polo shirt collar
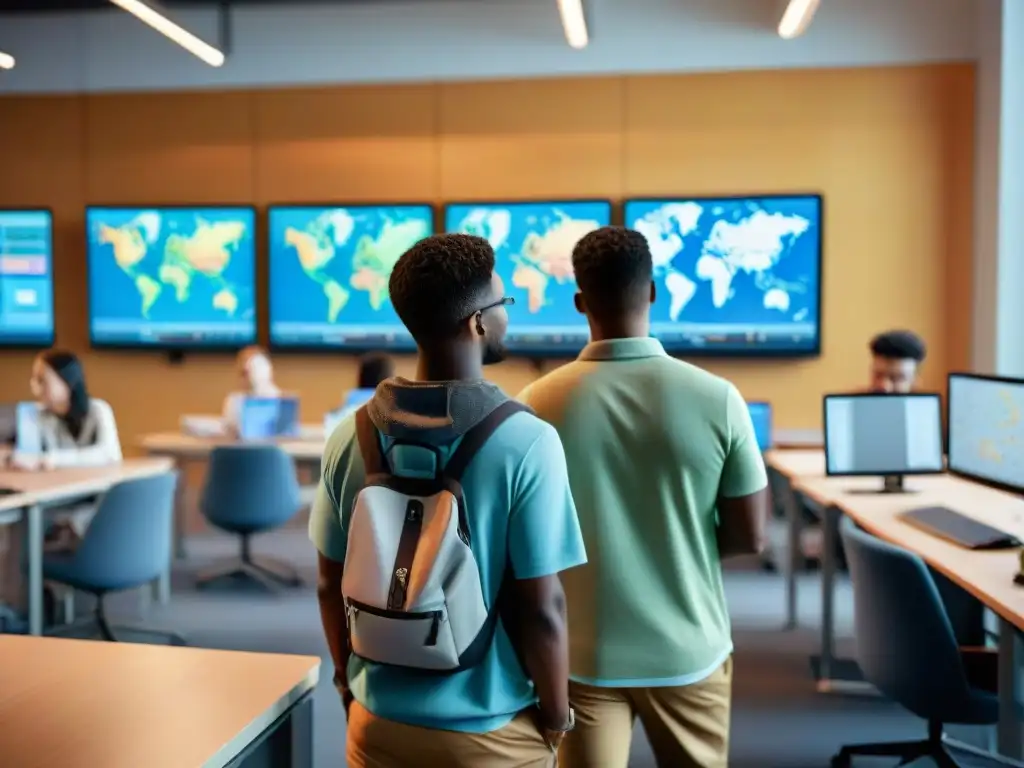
column 622, row 349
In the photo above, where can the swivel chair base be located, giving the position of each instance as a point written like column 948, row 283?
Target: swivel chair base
column 936, row 747
column 97, row 625
column 267, row 572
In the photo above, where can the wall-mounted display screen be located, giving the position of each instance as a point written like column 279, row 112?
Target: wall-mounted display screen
column 172, row 278
column 735, row 276
column 329, row 271
column 26, row 278
column 533, row 242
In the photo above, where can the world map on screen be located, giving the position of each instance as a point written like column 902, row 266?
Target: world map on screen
column 172, row 265
column 533, row 244
column 745, row 261
column 986, row 429
column 332, row 265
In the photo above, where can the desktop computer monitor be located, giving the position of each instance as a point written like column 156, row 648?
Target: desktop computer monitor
column 265, row 418
column 887, row 435
column 761, row 416
column 986, row 429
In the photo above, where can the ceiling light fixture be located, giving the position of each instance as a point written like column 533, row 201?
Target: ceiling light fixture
column 574, row 23
column 797, row 18
column 6, row 61
column 153, row 18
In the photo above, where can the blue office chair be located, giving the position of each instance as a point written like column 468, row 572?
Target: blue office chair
column 126, row 546
column 906, row 649
column 251, row 489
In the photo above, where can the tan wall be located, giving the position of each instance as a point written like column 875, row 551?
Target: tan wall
column 891, row 149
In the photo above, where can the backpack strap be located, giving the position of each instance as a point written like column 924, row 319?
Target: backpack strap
column 374, row 461
column 475, row 438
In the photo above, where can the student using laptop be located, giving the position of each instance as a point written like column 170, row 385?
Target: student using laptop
column 667, row 478
column 65, row 428
column 257, row 377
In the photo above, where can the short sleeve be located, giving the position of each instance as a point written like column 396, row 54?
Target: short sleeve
column 743, row 473
column 341, row 477
column 544, row 532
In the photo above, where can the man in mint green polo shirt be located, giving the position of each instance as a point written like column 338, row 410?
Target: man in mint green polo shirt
column 667, row 478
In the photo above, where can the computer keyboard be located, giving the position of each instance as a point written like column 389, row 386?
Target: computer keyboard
column 959, row 529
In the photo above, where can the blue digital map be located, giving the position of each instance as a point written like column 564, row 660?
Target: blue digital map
column 745, row 269
column 329, row 272
column 172, row 276
column 26, row 277
column 533, row 244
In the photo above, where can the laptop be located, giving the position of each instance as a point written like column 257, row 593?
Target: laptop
column 267, row 418
column 28, row 434
column 761, row 415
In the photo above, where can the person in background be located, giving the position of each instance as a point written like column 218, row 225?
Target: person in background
column 373, row 369
column 512, row 708
column 257, row 376
column 896, row 357
column 76, row 430
column 668, row 479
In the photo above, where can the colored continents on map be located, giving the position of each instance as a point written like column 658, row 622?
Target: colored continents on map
column 993, row 449
column 381, row 240
column 206, row 250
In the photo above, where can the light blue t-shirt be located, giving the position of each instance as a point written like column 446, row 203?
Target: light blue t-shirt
column 520, row 512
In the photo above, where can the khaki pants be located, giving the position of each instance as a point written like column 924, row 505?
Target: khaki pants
column 688, row 725
column 374, row 742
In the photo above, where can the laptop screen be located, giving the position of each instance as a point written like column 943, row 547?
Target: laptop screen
column 761, row 415
column 264, row 418
column 29, row 437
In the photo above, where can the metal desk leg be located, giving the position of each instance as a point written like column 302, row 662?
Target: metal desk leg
column 833, row 675
column 34, row 555
column 1009, row 736
column 180, row 495
column 794, row 557
column 162, row 588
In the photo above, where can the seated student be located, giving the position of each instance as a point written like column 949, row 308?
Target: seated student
column 76, row 430
column 257, row 375
column 896, row 359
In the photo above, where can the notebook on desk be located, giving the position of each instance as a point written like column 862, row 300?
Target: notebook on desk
column 964, row 531
column 265, row 418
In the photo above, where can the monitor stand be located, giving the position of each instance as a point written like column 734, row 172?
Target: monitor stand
column 890, row 484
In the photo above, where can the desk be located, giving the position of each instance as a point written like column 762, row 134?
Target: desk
column 988, row 576
column 41, row 490
column 182, row 448
column 81, row 704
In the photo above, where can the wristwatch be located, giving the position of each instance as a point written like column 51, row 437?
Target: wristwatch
column 554, row 736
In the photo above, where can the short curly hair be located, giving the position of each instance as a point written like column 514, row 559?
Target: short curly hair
column 613, row 269
column 899, row 345
column 439, row 282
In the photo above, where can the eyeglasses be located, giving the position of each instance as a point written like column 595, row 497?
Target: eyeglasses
column 504, row 301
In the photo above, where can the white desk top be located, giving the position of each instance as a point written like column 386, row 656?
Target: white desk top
column 82, row 704
column 986, row 575
column 178, row 445
column 52, row 486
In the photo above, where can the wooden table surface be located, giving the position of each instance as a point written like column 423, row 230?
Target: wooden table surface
column 82, row 704
column 986, row 575
column 51, row 486
column 179, row 445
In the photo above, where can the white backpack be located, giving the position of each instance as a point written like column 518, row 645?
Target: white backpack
column 412, row 587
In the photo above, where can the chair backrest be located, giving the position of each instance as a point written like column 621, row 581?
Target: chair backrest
column 905, row 643
column 128, row 542
column 250, row 487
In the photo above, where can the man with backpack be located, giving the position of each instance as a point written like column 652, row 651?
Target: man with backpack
column 442, row 522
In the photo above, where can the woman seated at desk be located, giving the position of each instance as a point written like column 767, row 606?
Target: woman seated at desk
column 75, row 430
column 257, row 376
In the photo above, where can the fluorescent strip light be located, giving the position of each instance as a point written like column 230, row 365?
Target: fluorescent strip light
column 172, row 31
column 6, row 61
column 797, row 18
column 574, row 23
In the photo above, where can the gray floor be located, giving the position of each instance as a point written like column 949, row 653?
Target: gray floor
column 778, row 719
